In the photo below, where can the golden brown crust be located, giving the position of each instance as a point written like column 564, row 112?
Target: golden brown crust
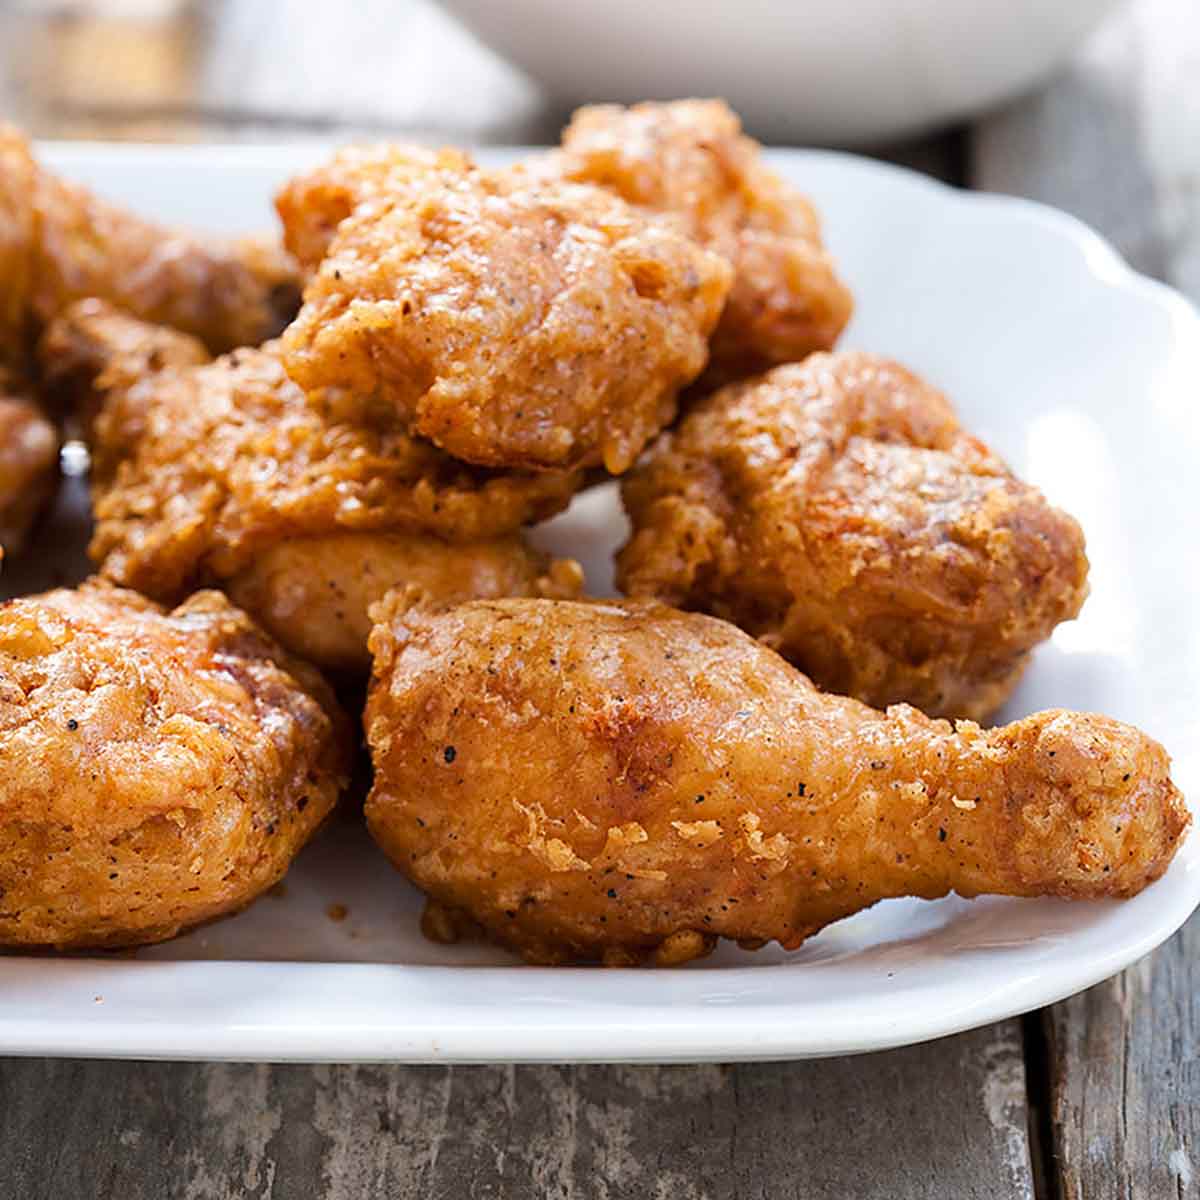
column 312, row 206
column 224, row 473
column 226, row 292
column 516, row 321
column 200, row 469
column 91, row 349
column 691, row 159
column 313, row 592
column 16, row 241
column 28, row 463
column 160, row 769
column 28, row 442
column 837, row 510
column 597, row 781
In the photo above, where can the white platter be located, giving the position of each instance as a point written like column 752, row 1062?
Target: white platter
column 1084, row 375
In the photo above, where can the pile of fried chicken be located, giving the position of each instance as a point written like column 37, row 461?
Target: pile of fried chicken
column 316, row 462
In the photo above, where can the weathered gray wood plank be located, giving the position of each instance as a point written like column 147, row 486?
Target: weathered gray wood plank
column 939, row 1121
column 1116, row 140
column 1125, row 1080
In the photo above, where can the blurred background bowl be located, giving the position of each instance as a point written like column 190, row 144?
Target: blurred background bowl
column 831, row 71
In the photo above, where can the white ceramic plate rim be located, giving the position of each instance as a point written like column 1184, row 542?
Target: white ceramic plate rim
column 283, row 1011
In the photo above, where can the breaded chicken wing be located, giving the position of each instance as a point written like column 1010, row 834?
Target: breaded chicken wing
column 598, row 781
column 160, row 769
column 28, row 463
column 837, row 510
column 691, row 159
column 517, row 322
column 227, row 293
column 224, row 473
column 313, row 205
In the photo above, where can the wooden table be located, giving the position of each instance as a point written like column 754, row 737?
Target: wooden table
column 1095, row 1097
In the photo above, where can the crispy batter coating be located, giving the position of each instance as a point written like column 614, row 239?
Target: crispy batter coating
column 313, row 205
column 313, row 593
column 160, row 769
column 690, row 158
column 227, row 293
column 516, row 321
column 16, row 238
column 28, row 463
column 92, row 349
column 224, row 473
column 214, row 463
column 837, row 510
column 28, row 442
column 597, row 781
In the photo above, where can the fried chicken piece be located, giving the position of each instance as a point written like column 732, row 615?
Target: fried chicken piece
column 16, row 238
column 596, row 781
column 228, row 293
column 28, row 442
column 92, row 349
column 837, row 510
column 313, row 205
column 224, row 473
column 314, row 593
column 691, row 159
column 515, row 321
column 28, row 463
column 160, row 769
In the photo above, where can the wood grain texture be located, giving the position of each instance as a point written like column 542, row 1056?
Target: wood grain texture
column 1115, row 139
column 937, row 1121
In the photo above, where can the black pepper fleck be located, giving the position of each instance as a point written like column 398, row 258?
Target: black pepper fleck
column 73, row 724
column 449, row 754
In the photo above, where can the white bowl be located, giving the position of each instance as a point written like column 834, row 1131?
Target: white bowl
column 832, row 71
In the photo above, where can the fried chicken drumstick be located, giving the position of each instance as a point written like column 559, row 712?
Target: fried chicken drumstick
column 837, row 510
column 75, row 245
column 598, row 781
column 224, row 473
column 160, row 769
